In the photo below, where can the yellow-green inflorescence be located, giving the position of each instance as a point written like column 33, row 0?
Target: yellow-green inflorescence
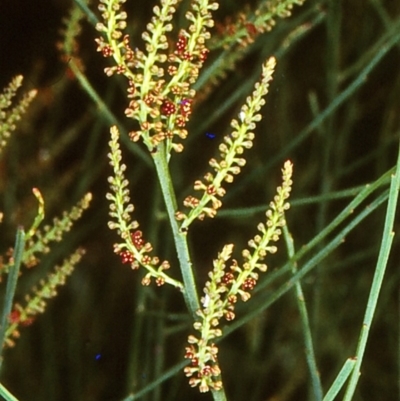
column 24, row 314
column 10, row 116
column 230, row 162
column 160, row 79
column 225, row 285
column 250, row 23
column 133, row 249
column 38, row 242
column 41, row 239
column 160, row 95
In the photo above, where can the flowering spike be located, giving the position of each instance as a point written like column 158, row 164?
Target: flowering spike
column 39, row 240
column 237, row 34
column 223, row 288
column 36, row 304
column 230, row 162
column 132, row 249
column 161, row 108
column 9, row 117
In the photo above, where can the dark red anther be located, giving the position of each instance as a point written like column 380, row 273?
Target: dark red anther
column 127, row 257
column 181, row 44
column 251, row 29
column 187, row 56
column 206, row 371
column 249, row 284
column 137, row 239
column 228, row 278
column 211, row 190
column 121, row 69
column 185, row 106
column 167, row 108
column 14, row 316
column 107, row 51
column 203, row 55
column 189, row 354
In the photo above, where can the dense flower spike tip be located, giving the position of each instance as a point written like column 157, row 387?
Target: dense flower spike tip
column 161, row 107
column 248, row 25
column 230, row 162
column 271, row 231
column 10, row 116
column 204, row 370
column 132, row 249
column 236, row 34
column 223, row 288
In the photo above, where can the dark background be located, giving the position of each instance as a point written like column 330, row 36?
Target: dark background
column 104, row 335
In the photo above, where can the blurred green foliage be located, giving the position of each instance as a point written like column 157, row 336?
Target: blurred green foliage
column 105, row 335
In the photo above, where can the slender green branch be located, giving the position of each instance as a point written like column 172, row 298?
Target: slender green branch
column 105, row 110
column 180, row 238
column 11, row 285
column 92, row 18
column 390, row 41
column 340, row 380
column 301, row 303
column 6, row 394
column 340, row 218
column 309, row 265
column 219, row 395
column 381, row 265
column 154, row 384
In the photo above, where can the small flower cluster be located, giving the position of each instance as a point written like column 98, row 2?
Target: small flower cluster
column 9, row 117
column 248, row 25
column 69, row 45
column 162, row 108
column 230, row 162
column 241, row 31
column 235, row 35
column 224, row 287
column 133, row 249
column 36, row 304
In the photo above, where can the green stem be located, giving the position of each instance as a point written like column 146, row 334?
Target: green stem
column 308, row 266
column 180, row 238
column 301, row 303
column 11, row 285
column 383, row 257
column 219, row 395
column 6, row 394
column 105, row 111
column 340, row 380
column 92, row 18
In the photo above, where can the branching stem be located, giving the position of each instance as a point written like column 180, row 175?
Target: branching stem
column 180, row 238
